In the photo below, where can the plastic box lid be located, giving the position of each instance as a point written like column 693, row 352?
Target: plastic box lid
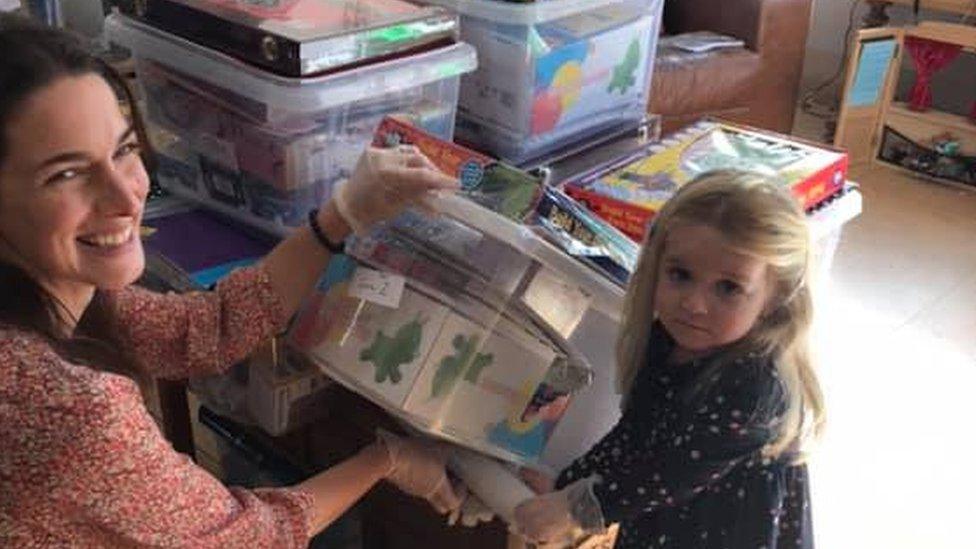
column 606, row 296
column 299, row 37
column 301, row 95
column 512, row 13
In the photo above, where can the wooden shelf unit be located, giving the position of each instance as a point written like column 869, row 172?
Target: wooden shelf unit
column 920, row 125
column 962, row 7
column 861, row 126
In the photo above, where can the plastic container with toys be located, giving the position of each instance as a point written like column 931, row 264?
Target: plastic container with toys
column 459, row 325
column 263, row 148
column 553, row 72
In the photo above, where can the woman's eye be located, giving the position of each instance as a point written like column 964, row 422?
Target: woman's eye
column 127, row 149
column 677, row 274
column 728, row 288
column 63, row 175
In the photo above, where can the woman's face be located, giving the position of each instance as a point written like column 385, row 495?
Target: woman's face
column 72, row 189
column 708, row 295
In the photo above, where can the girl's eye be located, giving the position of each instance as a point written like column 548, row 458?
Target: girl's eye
column 678, row 274
column 728, row 288
column 127, row 149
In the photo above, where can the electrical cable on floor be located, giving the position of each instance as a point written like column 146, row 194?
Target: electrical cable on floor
column 808, row 103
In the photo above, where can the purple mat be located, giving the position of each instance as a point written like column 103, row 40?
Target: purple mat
column 196, row 240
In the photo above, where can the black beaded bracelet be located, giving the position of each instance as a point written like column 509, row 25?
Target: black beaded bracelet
column 313, row 222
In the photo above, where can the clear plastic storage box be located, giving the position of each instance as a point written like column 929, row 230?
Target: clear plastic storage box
column 553, row 72
column 263, row 148
column 458, row 325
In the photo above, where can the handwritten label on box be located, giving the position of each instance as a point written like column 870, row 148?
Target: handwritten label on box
column 378, row 287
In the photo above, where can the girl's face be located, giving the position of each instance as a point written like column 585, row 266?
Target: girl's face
column 708, row 295
column 72, row 189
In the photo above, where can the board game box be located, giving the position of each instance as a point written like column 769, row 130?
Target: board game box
column 629, row 192
column 301, row 37
column 486, row 181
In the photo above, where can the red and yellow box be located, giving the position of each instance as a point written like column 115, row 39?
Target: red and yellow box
column 450, row 158
column 629, row 192
column 495, row 185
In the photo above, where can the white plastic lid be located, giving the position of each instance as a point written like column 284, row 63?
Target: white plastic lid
column 311, row 94
column 607, row 296
column 522, row 14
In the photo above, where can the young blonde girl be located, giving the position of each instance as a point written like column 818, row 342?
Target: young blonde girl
column 719, row 393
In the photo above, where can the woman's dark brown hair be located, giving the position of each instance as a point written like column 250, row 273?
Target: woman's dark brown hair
column 33, row 57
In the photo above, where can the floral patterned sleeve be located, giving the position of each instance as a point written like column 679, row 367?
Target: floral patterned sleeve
column 84, row 465
column 198, row 333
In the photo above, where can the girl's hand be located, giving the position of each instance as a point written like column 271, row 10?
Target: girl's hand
column 546, row 519
column 560, row 517
column 418, row 468
column 385, row 182
column 539, row 482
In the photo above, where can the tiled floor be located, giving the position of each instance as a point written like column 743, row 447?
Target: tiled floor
column 897, row 342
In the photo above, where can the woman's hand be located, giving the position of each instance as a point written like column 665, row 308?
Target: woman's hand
column 385, row 182
column 418, row 468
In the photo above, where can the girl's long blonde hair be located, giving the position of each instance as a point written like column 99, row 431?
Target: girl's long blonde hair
column 761, row 219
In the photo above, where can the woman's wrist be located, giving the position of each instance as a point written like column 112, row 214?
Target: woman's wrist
column 380, row 454
column 334, row 226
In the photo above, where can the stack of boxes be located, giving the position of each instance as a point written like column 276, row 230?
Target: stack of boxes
column 256, row 109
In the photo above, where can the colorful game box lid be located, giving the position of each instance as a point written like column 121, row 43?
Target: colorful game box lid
column 499, row 187
column 301, row 37
column 631, row 191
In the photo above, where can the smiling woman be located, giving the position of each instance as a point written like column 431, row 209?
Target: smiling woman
column 48, row 277
column 79, row 203
column 83, row 464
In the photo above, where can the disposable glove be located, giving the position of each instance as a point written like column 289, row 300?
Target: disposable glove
column 471, row 513
column 385, row 182
column 561, row 517
column 417, row 468
column 539, row 482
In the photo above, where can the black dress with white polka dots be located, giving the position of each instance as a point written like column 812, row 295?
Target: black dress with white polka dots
column 683, row 466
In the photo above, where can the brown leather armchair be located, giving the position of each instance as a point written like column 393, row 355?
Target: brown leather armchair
column 756, row 85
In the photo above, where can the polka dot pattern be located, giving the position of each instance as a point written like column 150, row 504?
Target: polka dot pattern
column 683, row 466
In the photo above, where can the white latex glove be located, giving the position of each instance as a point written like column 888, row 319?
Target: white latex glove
column 539, row 482
column 417, row 468
column 385, row 182
column 471, row 513
column 559, row 518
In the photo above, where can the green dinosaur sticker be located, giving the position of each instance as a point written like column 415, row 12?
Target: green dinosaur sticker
column 389, row 353
column 464, row 360
column 623, row 74
column 480, row 362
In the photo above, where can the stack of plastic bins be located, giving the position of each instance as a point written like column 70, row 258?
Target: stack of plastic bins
column 467, row 335
column 263, row 148
column 554, row 72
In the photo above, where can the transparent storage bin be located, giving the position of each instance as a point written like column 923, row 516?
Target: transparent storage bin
column 553, row 72
column 460, row 326
column 262, row 148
